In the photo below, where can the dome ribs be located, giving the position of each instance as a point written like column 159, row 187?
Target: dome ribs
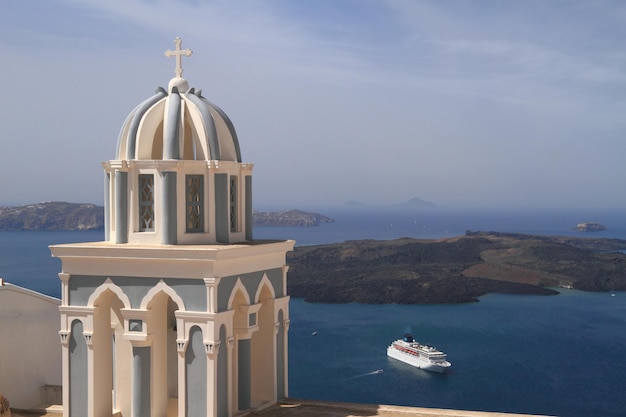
column 171, row 129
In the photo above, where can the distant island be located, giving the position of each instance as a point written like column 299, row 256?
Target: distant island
column 414, row 202
column 75, row 216
column 590, row 227
column 53, row 215
column 355, row 203
column 289, row 218
column 417, row 202
column 405, row 271
column 454, row 270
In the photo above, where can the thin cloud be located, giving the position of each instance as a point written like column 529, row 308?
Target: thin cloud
column 484, row 102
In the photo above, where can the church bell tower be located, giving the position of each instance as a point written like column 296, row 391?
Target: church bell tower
column 178, row 177
column 178, row 311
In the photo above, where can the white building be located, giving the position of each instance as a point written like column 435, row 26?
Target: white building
column 30, row 354
column 178, row 312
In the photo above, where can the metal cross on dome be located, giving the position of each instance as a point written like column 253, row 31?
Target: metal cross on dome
column 178, row 53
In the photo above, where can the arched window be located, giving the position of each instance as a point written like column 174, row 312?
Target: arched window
column 194, row 201
column 146, row 203
column 234, row 204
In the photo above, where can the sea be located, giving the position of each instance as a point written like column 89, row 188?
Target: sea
column 561, row 355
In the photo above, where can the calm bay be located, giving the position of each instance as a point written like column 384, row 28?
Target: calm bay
column 558, row 355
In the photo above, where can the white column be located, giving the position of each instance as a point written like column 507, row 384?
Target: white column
column 64, row 334
column 212, row 350
column 211, row 294
column 65, row 291
column 286, row 353
column 91, row 386
column 181, row 346
column 232, row 377
column 65, row 363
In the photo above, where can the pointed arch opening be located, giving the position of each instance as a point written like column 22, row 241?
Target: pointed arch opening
column 78, row 369
column 263, row 363
column 162, row 287
column 111, row 352
column 265, row 287
column 241, row 354
column 108, row 285
column 162, row 303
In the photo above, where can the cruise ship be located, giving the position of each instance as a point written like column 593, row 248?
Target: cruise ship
column 424, row 357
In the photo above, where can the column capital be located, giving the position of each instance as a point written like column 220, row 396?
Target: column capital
column 212, row 348
column 181, row 346
column 116, row 165
column 65, row 337
column 212, row 281
column 88, row 339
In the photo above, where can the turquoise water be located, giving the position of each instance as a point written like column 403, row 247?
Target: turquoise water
column 559, row 355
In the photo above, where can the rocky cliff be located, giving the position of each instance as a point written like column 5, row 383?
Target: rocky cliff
column 455, row 270
column 52, row 216
column 289, row 218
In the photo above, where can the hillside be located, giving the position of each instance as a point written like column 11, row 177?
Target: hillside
column 289, row 218
column 410, row 271
column 72, row 216
column 52, row 216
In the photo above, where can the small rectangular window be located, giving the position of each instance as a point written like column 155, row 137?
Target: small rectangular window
column 135, row 325
column 234, row 221
column 146, row 202
column 194, row 197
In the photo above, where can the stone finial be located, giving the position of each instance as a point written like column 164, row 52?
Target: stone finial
column 5, row 411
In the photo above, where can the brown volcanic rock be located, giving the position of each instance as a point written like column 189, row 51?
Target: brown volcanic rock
column 461, row 269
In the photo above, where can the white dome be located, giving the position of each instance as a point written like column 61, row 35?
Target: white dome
column 178, row 124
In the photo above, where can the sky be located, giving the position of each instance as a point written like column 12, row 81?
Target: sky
column 481, row 104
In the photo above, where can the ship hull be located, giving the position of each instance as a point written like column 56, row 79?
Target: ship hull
column 416, row 361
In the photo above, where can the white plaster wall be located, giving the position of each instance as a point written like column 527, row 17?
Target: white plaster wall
column 30, row 350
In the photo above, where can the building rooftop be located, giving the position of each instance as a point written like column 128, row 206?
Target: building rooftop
column 309, row 408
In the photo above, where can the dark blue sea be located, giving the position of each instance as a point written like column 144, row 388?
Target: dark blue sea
column 559, row 355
